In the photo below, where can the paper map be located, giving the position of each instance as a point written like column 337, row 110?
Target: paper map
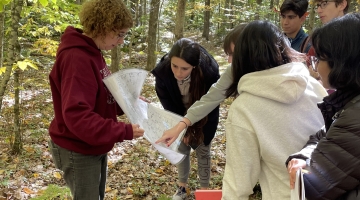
column 125, row 86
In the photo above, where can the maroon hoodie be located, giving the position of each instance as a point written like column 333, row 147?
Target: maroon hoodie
column 85, row 111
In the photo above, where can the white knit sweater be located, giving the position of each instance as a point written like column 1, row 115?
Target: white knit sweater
column 272, row 118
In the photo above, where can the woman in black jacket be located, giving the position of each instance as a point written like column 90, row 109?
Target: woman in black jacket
column 182, row 77
column 332, row 155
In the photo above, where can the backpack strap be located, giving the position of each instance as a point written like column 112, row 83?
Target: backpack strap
column 304, row 44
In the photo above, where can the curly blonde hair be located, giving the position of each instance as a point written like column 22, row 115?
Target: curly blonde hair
column 100, row 17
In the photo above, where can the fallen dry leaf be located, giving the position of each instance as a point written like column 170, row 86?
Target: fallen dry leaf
column 22, row 172
column 167, row 163
column 4, row 158
column 107, row 189
column 57, row 175
column 129, row 190
column 159, row 171
column 29, row 149
column 28, row 191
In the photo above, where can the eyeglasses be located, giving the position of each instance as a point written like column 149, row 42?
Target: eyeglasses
column 121, row 36
column 322, row 4
column 314, row 62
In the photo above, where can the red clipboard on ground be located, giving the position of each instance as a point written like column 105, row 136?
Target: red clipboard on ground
column 208, row 194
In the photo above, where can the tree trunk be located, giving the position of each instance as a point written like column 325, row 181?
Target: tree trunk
column 115, row 59
column 130, row 49
column 206, row 29
column 158, row 28
column 219, row 22
column 180, row 19
column 137, row 11
column 134, row 8
column 192, row 5
column 14, row 46
column 232, row 14
column 270, row 14
column 2, row 20
column 277, row 15
column 13, row 57
column 140, row 15
column 17, row 145
column 153, row 24
column 311, row 20
column 227, row 13
column 145, row 7
column 257, row 14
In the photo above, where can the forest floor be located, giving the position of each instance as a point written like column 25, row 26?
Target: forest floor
column 135, row 169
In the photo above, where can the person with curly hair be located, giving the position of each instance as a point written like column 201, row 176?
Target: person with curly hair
column 85, row 127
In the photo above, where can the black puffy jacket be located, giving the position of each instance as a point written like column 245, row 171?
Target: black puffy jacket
column 334, row 151
column 169, row 94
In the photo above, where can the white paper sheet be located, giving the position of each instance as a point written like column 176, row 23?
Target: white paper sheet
column 298, row 193
column 125, row 86
column 173, row 156
column 160, row 120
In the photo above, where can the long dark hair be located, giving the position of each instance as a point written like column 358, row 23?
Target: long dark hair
column 260, row 46
column 190, row 52
column 338, row 43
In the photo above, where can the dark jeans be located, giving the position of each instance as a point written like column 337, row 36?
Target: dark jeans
column 85, row 175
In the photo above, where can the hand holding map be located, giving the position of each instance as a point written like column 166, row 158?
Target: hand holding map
column 125, row 86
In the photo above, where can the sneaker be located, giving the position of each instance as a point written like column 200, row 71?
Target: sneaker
column 180, row 194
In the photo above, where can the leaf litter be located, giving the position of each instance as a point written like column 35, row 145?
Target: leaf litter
column 135, row 169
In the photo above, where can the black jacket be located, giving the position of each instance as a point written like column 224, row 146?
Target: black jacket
column 169, row 94
column 334, row 151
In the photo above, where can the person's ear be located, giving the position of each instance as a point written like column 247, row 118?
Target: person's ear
column 303, row 18
column 343, row 5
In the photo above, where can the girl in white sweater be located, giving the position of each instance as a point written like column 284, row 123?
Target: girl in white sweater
column 272, row 116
